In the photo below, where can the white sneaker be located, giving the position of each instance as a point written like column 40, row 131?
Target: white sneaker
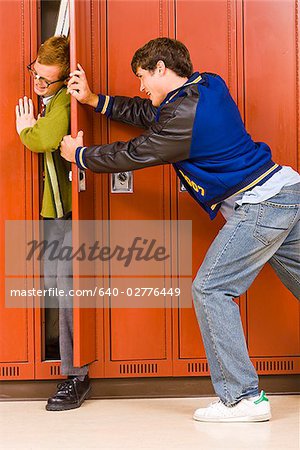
column 252, row 409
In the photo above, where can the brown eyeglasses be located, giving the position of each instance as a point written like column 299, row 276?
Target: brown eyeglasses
column 42, row 81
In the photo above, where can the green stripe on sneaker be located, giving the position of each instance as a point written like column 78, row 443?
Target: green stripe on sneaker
column 262, row 398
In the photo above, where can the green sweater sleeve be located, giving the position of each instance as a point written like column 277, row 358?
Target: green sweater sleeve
column 46, row 135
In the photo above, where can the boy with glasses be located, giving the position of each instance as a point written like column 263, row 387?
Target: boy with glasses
column 43, row 135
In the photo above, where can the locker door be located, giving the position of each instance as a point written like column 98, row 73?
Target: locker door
column 272, row 115
column 138, row 340
column 208, row 30
column 81, row 27
column 18, row 39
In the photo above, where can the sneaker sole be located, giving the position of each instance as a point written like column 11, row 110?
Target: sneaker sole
column 68, row 407
column 260, row 418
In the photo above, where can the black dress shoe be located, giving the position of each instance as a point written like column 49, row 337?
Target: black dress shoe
column 70, row 394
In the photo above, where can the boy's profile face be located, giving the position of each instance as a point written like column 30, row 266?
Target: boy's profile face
column 151, row 84
column 50, row 74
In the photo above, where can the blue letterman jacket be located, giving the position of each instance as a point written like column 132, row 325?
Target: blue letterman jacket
column 197, row 128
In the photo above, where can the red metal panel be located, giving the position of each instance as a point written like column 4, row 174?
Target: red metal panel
column 215, row 35
column 270, row 76
column 82, row 202
column 272, row 115
column 209, row 31
column 140, row 335
column 98, row 18
column 16, row 324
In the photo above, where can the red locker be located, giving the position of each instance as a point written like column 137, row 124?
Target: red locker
column 254, row 46
column 134, row 337
column 82, row 197
column 208, row 30
column 272, row 114
column 217, row 37
column 18, row 38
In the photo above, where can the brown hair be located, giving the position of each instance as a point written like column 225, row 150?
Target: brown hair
column 55, row 52
column 173, row 53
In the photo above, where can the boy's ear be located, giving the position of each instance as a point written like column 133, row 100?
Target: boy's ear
column 161, row 66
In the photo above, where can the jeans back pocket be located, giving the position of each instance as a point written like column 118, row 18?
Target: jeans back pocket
column 274, row 220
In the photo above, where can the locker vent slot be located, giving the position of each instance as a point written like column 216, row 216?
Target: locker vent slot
column 201, row 367
column 10, row 371
column 54, row 370
column 138, row 369
column 275, row 366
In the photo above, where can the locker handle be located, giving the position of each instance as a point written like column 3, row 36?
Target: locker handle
column 122, row 182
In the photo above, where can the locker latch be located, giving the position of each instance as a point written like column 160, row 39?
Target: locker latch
column 122, row 182
column 81, row 180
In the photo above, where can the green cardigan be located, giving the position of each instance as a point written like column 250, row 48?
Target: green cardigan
column 45, row 137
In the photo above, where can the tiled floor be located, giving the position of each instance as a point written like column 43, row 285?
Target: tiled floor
column 144, row 424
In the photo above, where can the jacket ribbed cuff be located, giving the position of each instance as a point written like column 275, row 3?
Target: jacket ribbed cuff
column 105, row 104
column 79, row 157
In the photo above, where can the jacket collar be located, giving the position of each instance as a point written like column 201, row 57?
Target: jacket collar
column 195, row 78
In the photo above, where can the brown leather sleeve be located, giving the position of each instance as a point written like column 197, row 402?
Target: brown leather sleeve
column 134, row 111
column 166, row 141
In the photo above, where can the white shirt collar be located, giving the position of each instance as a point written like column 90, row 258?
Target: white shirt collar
column 46, row 100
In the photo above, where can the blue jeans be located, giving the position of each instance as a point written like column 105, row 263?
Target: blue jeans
column 254, row 234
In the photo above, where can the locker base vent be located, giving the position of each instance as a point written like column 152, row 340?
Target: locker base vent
column 138, row 368
column 54, row 370
column 9, row 371
column 286, row 365
column 201, row 367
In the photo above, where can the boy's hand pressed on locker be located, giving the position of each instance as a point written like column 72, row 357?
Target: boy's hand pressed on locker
column 25, row 114
column 79, row 88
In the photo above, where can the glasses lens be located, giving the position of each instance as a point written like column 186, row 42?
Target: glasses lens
column 40, row 81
